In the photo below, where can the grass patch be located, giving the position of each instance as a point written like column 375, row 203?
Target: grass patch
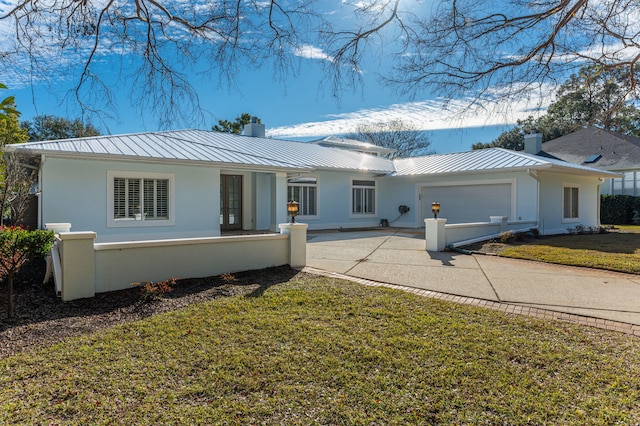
column 324, row 351
column 615, row 251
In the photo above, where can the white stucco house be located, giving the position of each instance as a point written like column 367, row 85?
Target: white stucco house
column 193, row 183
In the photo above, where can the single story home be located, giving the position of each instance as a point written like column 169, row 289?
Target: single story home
column 193, row 183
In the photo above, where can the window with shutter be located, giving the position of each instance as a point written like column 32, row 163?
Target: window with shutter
column 140, row 197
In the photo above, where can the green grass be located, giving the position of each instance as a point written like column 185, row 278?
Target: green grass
column 615, row 251
column 323, row 351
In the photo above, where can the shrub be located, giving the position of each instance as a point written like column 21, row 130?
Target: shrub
column 152, row 290
column 619, row 209
column 17, row 247
column 505, row 236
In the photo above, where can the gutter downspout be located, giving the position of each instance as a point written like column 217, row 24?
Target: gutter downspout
column 602, row 181
column 534, row 174
column 39, row 193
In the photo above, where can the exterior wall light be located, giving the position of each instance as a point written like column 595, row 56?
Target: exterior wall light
column 292, row 210
column 435, row 209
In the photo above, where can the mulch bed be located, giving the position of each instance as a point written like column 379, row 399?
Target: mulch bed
column 42, row 318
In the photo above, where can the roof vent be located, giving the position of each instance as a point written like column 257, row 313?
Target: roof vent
column 593, row 159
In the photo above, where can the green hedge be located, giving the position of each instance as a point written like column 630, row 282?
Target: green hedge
column 618, row 209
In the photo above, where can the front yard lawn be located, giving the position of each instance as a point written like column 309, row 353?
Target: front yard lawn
column 322, row 351
column 614, row 251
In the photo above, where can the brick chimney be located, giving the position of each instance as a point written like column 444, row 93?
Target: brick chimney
column 254, row 129
column 533, row 142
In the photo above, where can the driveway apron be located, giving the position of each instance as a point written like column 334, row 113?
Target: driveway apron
column 399, row 257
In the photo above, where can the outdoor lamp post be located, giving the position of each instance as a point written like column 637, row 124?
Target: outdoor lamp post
column 435, row 209
column 292, row 210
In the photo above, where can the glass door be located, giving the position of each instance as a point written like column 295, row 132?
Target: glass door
column 230, row 202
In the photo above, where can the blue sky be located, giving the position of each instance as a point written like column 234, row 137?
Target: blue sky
column 300, row 107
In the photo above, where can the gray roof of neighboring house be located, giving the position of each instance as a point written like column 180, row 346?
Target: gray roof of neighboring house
column 199, row 146
column 607, row 150
column 210, row 147
column 483, row 160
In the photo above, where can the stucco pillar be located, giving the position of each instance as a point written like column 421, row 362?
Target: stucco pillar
column 297, row 243
column 278, row 200
column 434, row 232
column 78, row 265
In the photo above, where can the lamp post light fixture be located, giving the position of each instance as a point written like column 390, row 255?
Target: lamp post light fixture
column 292, row 210
column 435, row 209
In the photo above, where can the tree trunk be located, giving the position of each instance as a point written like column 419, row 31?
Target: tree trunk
column 10, row 295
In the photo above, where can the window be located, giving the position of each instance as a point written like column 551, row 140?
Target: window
column 363, row 196
column 138, row 199
column 617, row 186
column 570, row 202
column 304, row 190
column 628, row 182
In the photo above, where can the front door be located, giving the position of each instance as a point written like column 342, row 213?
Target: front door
column 230, row 202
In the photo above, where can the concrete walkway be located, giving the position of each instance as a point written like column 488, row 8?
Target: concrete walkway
column 398, row 258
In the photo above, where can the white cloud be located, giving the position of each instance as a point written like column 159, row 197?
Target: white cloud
column 311, row 52
column 435, row 114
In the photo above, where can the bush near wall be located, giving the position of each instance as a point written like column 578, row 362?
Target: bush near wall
column 619, row 209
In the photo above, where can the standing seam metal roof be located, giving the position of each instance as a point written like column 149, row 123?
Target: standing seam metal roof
column 207, row 146
column 491, row 159
column 200, row 145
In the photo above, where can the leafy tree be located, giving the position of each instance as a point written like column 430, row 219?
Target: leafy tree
column 49, row 127
column 15, row 180
column 17, row 247
column 511, row 139
column 403, row 137
column 448, row 47
column 7, row 106
column 593, row 97
column 236, row 126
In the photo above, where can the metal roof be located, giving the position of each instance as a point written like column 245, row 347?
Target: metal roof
column 210, row 147
column 355, row 145
column 199, row 146
column 484, row 160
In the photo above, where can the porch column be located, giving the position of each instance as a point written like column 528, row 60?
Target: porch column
column 278, row 200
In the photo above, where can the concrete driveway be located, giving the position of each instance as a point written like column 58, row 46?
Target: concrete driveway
column 399, row 257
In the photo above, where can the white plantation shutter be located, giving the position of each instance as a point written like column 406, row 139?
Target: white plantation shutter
column 133, row 197
column 140, row 199
column 119, row 198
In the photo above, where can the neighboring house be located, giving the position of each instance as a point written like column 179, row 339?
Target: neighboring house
column 604, row 150
column 192, row 183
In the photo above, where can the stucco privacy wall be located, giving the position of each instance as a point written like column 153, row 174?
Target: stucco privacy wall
column 88, row 268
column 397, row 191
column 551, row 201
column 75, row 191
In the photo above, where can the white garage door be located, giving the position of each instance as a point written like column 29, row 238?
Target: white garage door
column 469, row 203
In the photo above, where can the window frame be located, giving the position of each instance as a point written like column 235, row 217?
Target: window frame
column 113, row 222
column 353, row 187
column 305, row 185
column 571, row 186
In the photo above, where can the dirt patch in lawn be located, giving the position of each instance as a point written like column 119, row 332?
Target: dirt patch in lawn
column 41, row 317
